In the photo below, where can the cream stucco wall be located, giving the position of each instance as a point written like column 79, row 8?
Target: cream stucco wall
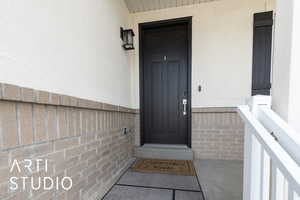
column 73, row 48
column 221, row 49
column 69, row 47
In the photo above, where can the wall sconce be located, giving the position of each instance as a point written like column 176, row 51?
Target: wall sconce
column 127, row 37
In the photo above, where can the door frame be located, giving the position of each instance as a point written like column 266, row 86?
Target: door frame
column 157, row 24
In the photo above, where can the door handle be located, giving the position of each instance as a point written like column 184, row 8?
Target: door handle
column 184, row 103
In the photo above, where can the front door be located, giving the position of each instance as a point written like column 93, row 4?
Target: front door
column 165, row 101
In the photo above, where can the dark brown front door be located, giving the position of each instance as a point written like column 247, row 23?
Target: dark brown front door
column 165, row 100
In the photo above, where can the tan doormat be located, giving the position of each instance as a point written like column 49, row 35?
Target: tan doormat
column 177, row 167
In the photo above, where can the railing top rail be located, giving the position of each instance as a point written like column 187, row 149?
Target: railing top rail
column 284, row 134
column 282, row 159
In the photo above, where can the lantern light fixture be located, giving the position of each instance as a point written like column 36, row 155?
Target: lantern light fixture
column 127, row 38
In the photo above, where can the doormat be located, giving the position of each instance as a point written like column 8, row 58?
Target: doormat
column 177, row 167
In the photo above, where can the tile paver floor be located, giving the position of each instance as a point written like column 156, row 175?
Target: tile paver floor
column 148, row 186
column 137, row 193
column 220, row 180
column 160, row 180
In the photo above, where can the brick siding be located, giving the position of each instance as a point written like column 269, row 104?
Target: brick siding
column 82, row 139
column 217, row 133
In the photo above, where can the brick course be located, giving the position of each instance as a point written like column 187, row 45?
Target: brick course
column 217, row 134
column 25, row 123
column 9, row 126
column 83, row 141
column 11, row 92
column 39, row 121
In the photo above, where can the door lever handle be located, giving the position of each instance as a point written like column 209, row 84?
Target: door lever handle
column 184, row 103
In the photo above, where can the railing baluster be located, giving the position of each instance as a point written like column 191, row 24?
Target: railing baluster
column 296, row 196
column 265, row 175
column 247, row 163
column 277, row 184
column 291, row 193
column 286, row 189
column 256, row 165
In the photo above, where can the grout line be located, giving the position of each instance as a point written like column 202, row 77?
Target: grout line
column 202, row 192
column 18, row 120
column 160, row 188
column 67, row 122
column 96, row 121
column 117, row 181
column 33, row 124
column 229, row 112
column 46, row 122
column 173, row 195
column 58, row 110
column 80, row 124
column 38, row 143
column 147, row 187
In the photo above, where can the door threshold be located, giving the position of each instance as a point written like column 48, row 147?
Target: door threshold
column 164, row 151
column 166, row 146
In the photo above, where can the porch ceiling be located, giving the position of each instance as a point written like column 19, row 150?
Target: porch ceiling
column 146, row 5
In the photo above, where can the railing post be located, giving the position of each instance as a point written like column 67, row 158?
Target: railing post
column 247, row 163
column 259, row 100
column 255, row 177
column 271, row 170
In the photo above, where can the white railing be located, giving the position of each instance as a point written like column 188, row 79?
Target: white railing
column 271, row 154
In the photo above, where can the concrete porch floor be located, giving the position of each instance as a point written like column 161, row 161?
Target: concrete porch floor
column 220, row 179
column 217, row 180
